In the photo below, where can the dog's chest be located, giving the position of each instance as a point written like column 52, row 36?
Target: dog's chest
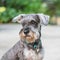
column 31, row 55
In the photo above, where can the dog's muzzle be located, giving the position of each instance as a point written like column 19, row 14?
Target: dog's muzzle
column 28, row 35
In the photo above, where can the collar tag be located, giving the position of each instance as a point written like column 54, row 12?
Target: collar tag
column 35, row 46
column 37, row 50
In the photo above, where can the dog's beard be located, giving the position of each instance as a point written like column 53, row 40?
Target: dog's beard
column 30, row 37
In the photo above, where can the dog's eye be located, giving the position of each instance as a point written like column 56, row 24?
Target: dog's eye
column 33, row 22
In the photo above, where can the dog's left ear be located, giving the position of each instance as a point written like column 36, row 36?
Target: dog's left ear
column 44, row 19
column 18, row 18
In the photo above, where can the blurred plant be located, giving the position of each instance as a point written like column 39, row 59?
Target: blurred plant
column 15, row 7
column 53, row 10
column 12, row 8
column 7, row 15
column 2, row 9
column 53, row 7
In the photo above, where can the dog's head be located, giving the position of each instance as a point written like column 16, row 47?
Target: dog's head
column 31, row 24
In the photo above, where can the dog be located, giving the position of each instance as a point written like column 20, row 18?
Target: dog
column 29, row 47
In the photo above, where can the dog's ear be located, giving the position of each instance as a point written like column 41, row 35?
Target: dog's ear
column 18, row 18
column 44, row 19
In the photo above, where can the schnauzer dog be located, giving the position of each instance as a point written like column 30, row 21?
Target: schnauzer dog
column 29, row 47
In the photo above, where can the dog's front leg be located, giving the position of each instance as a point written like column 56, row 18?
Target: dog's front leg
column 12, row 54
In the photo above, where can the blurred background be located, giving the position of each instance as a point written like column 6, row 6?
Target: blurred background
column 9, row 32
column 11, row 8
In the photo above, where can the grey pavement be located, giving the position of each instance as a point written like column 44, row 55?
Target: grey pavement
column 9, row 35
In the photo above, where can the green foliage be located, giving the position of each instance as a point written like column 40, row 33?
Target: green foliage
column 7, row 15
column 15, row 7
column 53, row 7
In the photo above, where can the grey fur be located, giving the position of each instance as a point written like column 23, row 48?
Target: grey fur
column 15, row 53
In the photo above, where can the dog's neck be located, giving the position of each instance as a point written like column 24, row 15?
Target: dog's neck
column 37, row 45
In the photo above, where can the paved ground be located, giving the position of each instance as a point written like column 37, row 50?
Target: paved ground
column 50, row 39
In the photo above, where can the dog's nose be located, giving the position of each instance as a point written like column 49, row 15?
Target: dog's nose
column 26, row 30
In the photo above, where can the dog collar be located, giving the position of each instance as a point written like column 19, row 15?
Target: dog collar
column 35, row 45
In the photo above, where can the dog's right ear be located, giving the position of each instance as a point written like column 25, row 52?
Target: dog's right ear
column 18, row 18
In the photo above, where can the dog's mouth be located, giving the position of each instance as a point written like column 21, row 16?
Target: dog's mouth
column 30, row 37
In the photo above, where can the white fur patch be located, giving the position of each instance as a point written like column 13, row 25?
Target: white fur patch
column 32, row 55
